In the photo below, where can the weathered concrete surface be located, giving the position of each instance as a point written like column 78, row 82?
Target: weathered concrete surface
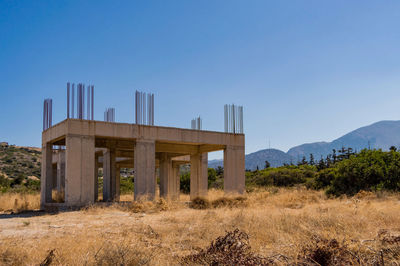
column 234, row 170
column 47, row 175
column 109, row 174
column 79, row 174
column 60, row 171
column 165, row 136
column 198, row 175
column 145, row 178
column 96, row 177
column 169, row 177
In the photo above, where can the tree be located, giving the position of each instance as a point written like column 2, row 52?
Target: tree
column 328, row 161
column 220, row 171
column 267, row 165
column 312, row 159
column 321, row 164
column 304, row 161
column 393, row 148
column 212, row 176
column 334, row 156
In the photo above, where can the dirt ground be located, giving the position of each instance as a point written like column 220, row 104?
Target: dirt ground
column 283, row 225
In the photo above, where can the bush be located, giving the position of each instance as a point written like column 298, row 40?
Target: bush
column 281, row 177
column 185, row 183
column 126, row 185
column 323, row 179
column 368, row 170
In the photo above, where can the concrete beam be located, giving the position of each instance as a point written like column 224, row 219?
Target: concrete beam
column 198, row 175
column 130, row 132
column 234, row 170
column 177, row 148
column 145, row 179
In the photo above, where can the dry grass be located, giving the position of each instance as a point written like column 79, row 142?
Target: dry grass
column 19, row 202
column 291, row 225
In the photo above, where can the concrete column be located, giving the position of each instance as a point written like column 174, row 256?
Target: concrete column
column 54, row 175
column 61, row 171
column 234, row 169
column 117, row 184
column 165, row 161
column 177, row 182
column 96, row 178
column 79, row 170
column 169, row 181
column 109, row 174
column 46, row 179
column 198, row 175
column 145, row 177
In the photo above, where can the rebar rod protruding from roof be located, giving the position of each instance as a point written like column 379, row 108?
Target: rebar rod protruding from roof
column 233, row 119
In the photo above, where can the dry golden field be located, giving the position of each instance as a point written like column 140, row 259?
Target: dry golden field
column 284, row 226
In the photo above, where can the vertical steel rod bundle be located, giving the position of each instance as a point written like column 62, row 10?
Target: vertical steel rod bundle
column 73, row 100
column 196, row 123
column 88, row 103
column 144, row 108
column 83, row 101
column 92, row 93
column 68, row 96
column 47, row 113
column 109, row 115
column 80, row 101
column 233, row 119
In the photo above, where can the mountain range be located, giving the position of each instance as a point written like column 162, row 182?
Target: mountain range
column 380, row 135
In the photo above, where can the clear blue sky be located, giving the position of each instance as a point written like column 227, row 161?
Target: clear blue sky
column 304, row 71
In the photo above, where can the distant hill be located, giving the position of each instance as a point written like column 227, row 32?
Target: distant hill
column 24, row 162
column 19, row 163
column 380, row 135
column 273, row 156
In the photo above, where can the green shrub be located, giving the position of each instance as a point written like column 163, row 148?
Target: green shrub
column 323, row 178
column 367, row 170
column 185, row 183
column 126, row 185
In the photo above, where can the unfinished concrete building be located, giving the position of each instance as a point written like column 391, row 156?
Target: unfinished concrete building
column 74, row 150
